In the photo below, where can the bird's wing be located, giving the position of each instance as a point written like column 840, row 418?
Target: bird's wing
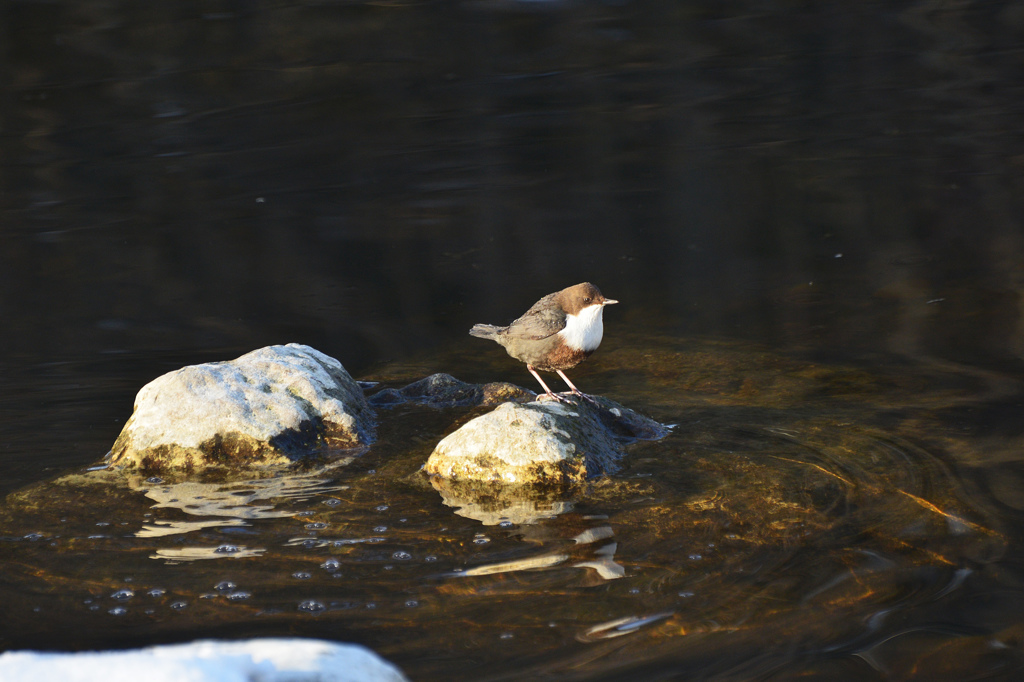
column 540, row 321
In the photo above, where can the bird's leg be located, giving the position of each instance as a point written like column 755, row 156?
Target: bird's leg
column 547, row 391
column 576, row 390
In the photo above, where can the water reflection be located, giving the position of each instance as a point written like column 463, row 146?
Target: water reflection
column 494, row 503
column 178, row 555
column 238, row 499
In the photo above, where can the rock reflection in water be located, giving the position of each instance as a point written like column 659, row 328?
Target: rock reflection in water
column 237, row 499
column 174, row 556
column 493, row 503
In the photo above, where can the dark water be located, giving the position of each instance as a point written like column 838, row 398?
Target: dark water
column 811, row 215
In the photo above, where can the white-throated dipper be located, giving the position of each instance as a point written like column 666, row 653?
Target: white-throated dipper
column 559, row 332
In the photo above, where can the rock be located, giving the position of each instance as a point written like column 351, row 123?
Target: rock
column 272, row 406
column 444, row 390
column 541, row 442
column 269, row 660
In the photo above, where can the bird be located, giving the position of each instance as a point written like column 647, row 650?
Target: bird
column 557, row 333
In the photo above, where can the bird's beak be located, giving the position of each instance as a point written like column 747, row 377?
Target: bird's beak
column 609, row 301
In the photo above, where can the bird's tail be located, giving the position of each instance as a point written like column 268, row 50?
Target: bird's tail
column 484, row 331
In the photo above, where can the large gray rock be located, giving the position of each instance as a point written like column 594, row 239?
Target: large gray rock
column 541, row 443
column 271, row 406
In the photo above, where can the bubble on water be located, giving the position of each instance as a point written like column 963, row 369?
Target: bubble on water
column 333, row 502
column 401, row 556
column 129, row 579
column 317, row 525
column 371, row 471
column 311, row 606
column 123, row 595
column 711, row 545
column 157, row 592
column 155, row 480
column 32, row 537
column 389, row 567
column 371, row 605
column 94, row 607
column 379, row 529
column 302, row 575
column 411, row 604
column 95, row 537
column 149, row 612
column 304, row 513
column 227, row 549
column 402, row 520
column 225, row 586
column 695, row 557
column 87, row 601
column 179, row 605
column 634, row 590
column 732, row 536
column 506, row 524
column 310, row 544
column 381, row 508
column 686, row 594
column 506, row 635
column 209, row 595
column 430, row 558
column 331, row 565
column 481, row 540
column 103, row 523
column 118, row 611
column 239, row 595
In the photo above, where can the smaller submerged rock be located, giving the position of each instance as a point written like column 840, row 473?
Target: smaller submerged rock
column 542, row 443
column 444, row 390
column 271, row 406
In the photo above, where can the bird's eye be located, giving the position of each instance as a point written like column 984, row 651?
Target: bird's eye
column 586, row 299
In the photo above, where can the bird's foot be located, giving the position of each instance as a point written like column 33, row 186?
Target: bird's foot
column 590, row 399
column 556, row 397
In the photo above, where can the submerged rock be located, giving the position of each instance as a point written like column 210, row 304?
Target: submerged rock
column 542, row 443
column 444, row 390
column 271, row 406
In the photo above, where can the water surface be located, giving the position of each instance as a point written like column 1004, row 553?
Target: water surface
column 811, row 215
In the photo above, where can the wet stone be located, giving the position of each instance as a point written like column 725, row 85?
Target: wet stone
column 273, row 406
column 559, row 443
column 444, row 390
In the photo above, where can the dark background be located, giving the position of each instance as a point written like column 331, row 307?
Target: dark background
column 186, row 181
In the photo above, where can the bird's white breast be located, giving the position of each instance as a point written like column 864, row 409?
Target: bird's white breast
column 584, row 330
